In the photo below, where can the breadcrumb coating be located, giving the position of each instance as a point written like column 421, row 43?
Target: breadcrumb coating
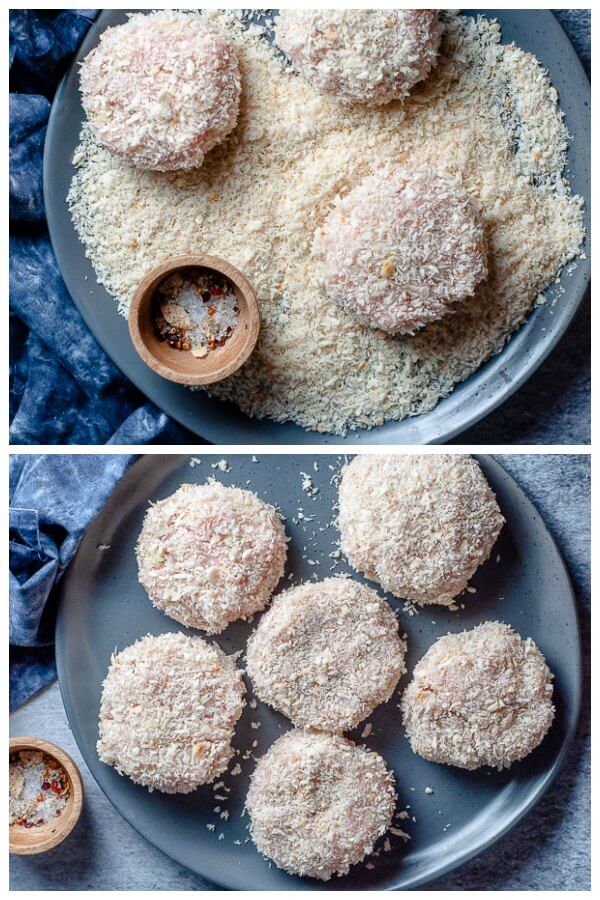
column 318, row 803
column 161, row 90
column 168, row 712
column 326, row 654
column 368, row 56
column 479, row 698
column 402, row 248
column 419, row 524
column 210, row 554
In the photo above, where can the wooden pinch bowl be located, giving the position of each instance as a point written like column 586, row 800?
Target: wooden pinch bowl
column 179, row 365
column 40, row 838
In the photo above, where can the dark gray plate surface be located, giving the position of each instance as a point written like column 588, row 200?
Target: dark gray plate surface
column 533, row 30
column 103, row 608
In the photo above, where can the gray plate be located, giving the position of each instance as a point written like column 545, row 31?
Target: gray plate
column 103, row 608
column 222, row 423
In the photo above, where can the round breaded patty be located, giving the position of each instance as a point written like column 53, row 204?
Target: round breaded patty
column 326, row 654
column 419, row 525
column 210, row 554
column 368, row 56
column 479, row 698
column 161, row 90
column 402, row 248
column 168, row 712
column 318, row 803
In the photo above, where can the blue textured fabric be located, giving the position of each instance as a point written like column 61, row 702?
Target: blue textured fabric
column 578, row 25
column 41, row 45
column 52, row 500
column 63, row 387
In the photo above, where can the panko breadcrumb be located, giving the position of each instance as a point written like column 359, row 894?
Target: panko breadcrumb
column 210, row 554
column 168, row 712
column 419, row 525
column 318, row 803
column 326, row 654
column 402, row 248
column 161, row 90
column 368, row 56
column 479, row 698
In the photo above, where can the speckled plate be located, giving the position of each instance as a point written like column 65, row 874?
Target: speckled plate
column 223, row 423
column 103, row 607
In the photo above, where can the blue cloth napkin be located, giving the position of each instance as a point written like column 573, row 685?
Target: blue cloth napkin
column 52, row 501
column 63, row 387
column 578, row 25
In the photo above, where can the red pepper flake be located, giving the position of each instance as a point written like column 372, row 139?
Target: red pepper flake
column 38, row 788
column 194, row 311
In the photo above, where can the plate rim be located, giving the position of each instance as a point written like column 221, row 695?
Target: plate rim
column 419, row 879
column 488, row 378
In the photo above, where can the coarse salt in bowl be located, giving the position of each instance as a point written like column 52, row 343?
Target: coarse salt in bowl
column 183, row 360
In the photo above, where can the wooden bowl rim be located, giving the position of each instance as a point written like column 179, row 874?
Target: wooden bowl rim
column 144, row 294
column 53, row 833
